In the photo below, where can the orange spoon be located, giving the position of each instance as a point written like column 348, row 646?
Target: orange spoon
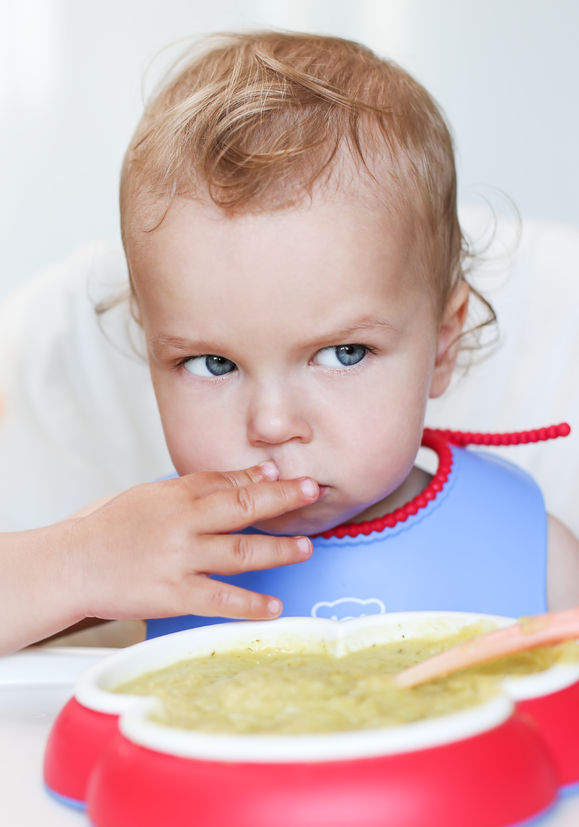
column 527, row 633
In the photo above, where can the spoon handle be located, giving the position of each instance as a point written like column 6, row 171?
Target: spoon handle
column 527, row 633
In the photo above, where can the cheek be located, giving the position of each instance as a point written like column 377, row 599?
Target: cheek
column 382, row 430
column 382, row 458
column 198, row 438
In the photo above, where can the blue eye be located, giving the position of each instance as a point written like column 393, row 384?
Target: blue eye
column 209, row 365
column 341, row 356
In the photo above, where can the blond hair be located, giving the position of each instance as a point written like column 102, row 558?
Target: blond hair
column 253, row 121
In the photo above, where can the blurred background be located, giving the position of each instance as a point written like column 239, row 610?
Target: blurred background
column 73, row 75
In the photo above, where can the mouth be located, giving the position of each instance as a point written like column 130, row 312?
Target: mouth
column 323, row 488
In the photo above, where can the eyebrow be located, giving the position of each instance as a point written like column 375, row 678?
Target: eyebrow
column 349, row 333
column 338, row 335
column 176, row 342
column 361, row 326
column 181, row 345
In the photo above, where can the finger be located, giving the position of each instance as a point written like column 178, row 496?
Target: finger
column 216, row 599
column 235, row 553
column 236, row 509
column 204, row 483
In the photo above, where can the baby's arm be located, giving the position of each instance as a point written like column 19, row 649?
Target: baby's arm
column 147, row 553
column 562, row 566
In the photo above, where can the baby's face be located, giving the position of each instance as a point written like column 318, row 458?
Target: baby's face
column 305, row 336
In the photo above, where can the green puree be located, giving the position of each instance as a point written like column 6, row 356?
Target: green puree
column 268, row 690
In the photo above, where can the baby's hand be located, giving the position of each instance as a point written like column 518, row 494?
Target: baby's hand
column 148, row 552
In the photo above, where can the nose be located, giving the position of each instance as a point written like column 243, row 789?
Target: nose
column 275, row 416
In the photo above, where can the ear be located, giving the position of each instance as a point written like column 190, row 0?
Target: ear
column 448, row 338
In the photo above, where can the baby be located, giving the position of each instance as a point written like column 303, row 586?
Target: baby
column 289, row 219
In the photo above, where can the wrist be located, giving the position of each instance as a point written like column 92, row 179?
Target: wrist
column 75, row 555
column 36, row 597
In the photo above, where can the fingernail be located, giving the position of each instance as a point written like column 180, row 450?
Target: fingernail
column 304, row 546
column 269, row 470
column 274, row 606
column 309, row 487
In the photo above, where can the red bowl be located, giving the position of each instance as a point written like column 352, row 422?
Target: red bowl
column 495, row 764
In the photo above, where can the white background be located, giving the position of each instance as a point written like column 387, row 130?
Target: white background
column 71, row 76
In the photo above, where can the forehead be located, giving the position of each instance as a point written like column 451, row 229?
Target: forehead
column 324, row 253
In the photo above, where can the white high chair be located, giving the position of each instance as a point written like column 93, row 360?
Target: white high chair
column 78, row 417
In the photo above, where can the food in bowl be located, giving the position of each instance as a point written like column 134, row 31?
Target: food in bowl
column 265, row 689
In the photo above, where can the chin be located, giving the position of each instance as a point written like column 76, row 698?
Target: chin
column 298, row 524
